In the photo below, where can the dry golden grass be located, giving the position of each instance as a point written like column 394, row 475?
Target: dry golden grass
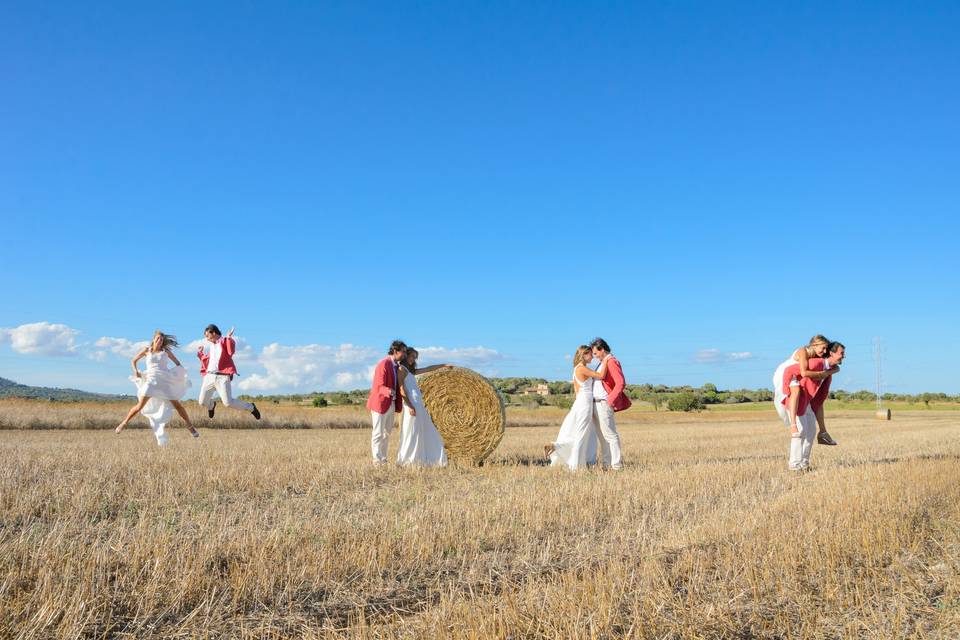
column 40, row 414
column 272, row 533
column 18, row 413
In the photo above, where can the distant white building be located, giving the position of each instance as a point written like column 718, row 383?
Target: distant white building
column 541, row 389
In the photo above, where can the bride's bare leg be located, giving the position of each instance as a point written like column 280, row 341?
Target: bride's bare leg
column 134, row 410
column 183, row 414
column 794, row 403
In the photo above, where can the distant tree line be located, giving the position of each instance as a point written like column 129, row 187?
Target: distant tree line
column 678, row 398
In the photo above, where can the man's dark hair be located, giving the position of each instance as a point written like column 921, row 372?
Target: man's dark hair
column 833, row 347
column 397, row 346
column 212, row 328
column 600, row 343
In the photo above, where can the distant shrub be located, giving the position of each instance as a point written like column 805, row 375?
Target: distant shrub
column 685, row 402
column 319, row 401
column 653, row 398
column 339, row 398
column 532, row 401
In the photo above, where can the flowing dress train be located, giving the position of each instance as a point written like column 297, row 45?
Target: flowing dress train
column 162, row 384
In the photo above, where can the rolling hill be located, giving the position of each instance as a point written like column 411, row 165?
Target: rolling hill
column 11, row 389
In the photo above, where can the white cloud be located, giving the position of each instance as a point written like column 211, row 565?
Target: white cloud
column 315, row 366
column 715, row 356
column 474, row 357
column 276, row 368
column 311, row 367
column 42, row 338
column 117, row 346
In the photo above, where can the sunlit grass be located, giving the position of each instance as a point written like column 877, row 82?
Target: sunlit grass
column 278, row 533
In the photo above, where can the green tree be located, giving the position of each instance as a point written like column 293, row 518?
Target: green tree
column 653, row 398
column 319, row 401
column 685, row 402
column 339, row 397
column 560, row 388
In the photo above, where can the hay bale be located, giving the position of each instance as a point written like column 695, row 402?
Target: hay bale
column 467, row 410
column 883, row 414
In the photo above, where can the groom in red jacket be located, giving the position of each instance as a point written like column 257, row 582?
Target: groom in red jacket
column 608, row 397
column 385, row 400
column 217, row 371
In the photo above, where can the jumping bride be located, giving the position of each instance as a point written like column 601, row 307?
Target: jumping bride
column 573, row 442
column 159, row 387
column 420, row 442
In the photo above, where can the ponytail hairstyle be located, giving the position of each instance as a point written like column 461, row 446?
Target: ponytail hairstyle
column 168, row 341
column 578, row 356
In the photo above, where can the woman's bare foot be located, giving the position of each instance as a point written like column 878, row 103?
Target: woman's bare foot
column 547, row 450
column 120, row 427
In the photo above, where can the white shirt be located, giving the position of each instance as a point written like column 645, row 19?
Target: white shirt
column 213, row 365
column 599, row 393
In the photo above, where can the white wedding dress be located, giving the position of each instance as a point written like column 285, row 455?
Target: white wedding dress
column 576, row 444
column 420, row 442
column 162, row 384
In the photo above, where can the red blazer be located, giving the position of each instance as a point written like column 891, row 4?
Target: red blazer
column 384, row 381
column 614, row 383
column 812, row 392
column 228, row 346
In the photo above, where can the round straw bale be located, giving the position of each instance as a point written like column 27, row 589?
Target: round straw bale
column 468, row 412
column 883, row 414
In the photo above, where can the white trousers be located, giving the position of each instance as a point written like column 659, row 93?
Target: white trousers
column 800, row 448
column 606, row 426
column 220, row 384
column 380, row 438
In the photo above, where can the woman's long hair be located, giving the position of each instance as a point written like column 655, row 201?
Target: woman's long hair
column 412, row 368
column 169, row 341
column 818, row 339
column 578, row 356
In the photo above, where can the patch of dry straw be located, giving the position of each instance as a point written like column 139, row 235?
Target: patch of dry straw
column 468, row 412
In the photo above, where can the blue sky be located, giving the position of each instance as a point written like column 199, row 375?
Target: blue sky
column 705, row 185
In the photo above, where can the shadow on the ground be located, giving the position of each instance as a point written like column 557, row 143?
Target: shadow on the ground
column 519, row 461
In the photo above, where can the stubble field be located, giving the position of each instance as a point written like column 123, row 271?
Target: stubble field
column 279, row 533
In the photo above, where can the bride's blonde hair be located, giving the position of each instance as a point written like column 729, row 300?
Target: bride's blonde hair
column 578, row 356
column 169, row 341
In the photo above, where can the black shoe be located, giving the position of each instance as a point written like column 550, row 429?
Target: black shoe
column 255, row 412
column 210, row 411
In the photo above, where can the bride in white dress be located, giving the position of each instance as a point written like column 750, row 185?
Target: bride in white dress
column 159, row 387
column 572, row 446
column 420, row 442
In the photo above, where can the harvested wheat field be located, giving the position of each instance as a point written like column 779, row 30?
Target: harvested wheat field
column 279, row 533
